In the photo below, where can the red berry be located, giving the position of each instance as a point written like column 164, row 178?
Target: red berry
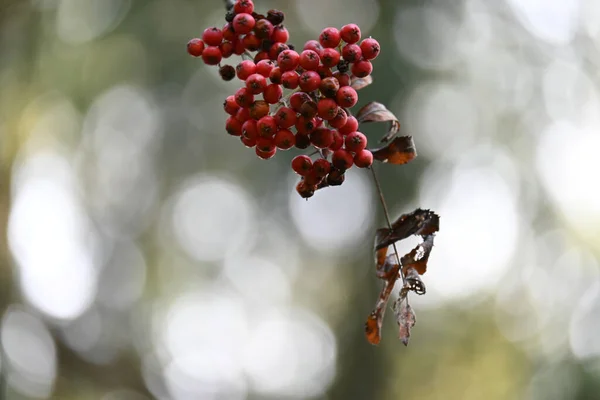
column 251, row 42
column 230, row 106
column 321, row 167
column 324, row 72
column 351, row 53
column 266, row 127
column 336, row 177
column 362, row 68
column 309, row 109
column 280, row 34
column 302, row 140
column 312, row 179
column 238, row 47
column 297, row 99
column 330, row 37
column 314, row 46
column 363, row 159
column 350, row 126
column 243, row 6
column 265, row 144
column 249, row 129
column 290, row 79
column 260, row 56
column 248, row 142
column 195, row 47
column 285, row 117
column 338, row 141
column 256, row 83
column 329, row 86
column 243, row 23
column 284, row 139
column 273, row 93
column 276, row 49
column 309, row 81
column 305, row 125
column 346, row 97
column 275, row 75
column 265, row 155
column 342, row 159
column 227, row 49
column 340, row 119
column 321, row 137
column 264, row 67
column 355, row 142
column 233, row 126
column 330, row 57
column 350, row 33
column 263, row 29
column 259, row 109
column 327, row 109
column 212, row 55
column 243, row 114
column 343, row 79
column 305, row 190
column 370, row 48
column 288, row 60
column 309, row 60
column 302, row 164
column 244, row 69
column 244, row 97
column 228, row 32
column 212, row 36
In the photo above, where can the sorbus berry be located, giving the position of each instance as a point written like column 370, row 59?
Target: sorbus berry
column 314, row 46
column 230, row 106
column 350, row 126
column 327, row 109
column 265, row 144
column 280, row 34
column 212, row 55
column 309, row 60
column 243, row 23
column 285, row 117
column 321, row 137
column 363, row 159
column 309, row 81
column 261, row 55
column 259, row 109
column 243, row 114
column 243, row 6
column 343, row 79
column 336, row 177
column 275, row 75
column 265, row 155
column 355, row 142
column 244, row 97
column 284, row 139
column 273, row 93
column 321, row 167
column 350, row 33
column 297, row 99
column 305, row 190
column 305, row 125
column 351, row 53
column 346, row 97
column 290, row 79
column 266, row 127
column 309, row 109
column 195, row 47
column 264, row 67
column 233, row 126
column 362, row 68
column 338, row 141
column 302, row 164
column 227, row 72
column 329, row 86
column 342, row 159
column 330, row 57
column 228, row 32
column 324, row 72
column 330, row 37
column 340, row 119
column 248, row 142
column 276, row 49
column 238, row 47
column 302, row 140
column 227, row 49
column 256, row 83
column 275, row 17
column 244, row 69
column 251, row 42
column 312, row 179
column 212, row 36
column 370, row 48
column 263, row 29
column 249, row 129
column 288, row 60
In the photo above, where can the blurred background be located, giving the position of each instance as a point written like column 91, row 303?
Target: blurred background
column 146, row 254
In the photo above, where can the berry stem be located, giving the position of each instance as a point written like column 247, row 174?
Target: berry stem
column 386, row 213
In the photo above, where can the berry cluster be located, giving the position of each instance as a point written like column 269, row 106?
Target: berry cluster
column 315, row 111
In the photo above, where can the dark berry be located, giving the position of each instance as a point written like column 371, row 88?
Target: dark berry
column 275, row 17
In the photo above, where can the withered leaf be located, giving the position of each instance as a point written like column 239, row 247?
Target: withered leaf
column 375, row 319
column 377, row 112
column 405, row 316
column 359, row 83
column 400, row 151
column 413, row 281
column 417, row 259
column 419, row 222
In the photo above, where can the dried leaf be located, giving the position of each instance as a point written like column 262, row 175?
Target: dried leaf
column 377, row 112
column 419, row 222
column 375, row 319
column 405, row 316
column 359, row 83
column 418, row 257
column 400, row 151
column 413, row 282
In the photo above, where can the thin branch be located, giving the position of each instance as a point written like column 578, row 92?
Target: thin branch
column 229, row 4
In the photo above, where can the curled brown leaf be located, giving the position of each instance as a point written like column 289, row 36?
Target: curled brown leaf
column 377, row 112
column 359, row 83
column 405, row 316
column 400, row 151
